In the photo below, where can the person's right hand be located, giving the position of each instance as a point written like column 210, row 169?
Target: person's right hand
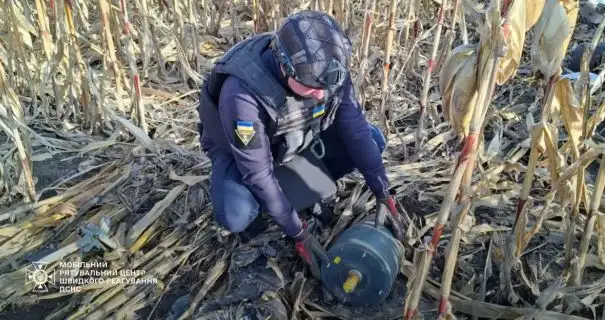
column 309, row 249
column 394, row 218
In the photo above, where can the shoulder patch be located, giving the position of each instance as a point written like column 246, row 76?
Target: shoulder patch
column 319, row 111
column 247, row 137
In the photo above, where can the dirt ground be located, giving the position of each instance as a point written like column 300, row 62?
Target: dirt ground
column 50, row 172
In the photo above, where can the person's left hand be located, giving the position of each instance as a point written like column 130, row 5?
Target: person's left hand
column 393, row 218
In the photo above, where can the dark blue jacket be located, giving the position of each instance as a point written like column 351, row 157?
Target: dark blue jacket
column 256, row 164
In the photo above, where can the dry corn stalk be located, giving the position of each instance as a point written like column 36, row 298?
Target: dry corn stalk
column 592, row 220
column 426, row 82
column 138, row 107
column 110, row 57
column 601, row 236
column 488, row 54
column 81, row 76
column 596, row 217
column 554, row 27
column 365, row 48
column 576, row 125
column 387, row 63
column 450, row 33
column 498, row 62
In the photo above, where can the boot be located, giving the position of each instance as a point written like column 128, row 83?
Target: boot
column 258, row 226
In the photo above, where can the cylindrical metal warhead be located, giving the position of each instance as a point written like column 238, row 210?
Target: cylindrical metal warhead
column 364, row 263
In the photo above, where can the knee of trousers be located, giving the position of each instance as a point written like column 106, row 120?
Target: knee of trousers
column 378, row 137
column 235, row 213
column 235, row 207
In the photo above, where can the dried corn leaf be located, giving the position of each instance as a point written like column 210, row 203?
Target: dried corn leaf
column 43, row 25
column 26, row 28
column 144, row 238
column 151, row 216
column 595, row 119
column 533, row 10
column 573, row 115
column 572, row 8
column 495, row 145
column 3, row 54
column 139, row 134
column 187, row 179
column 23, row 22
column 11, row 121
column 213, row 275
column 593, row 261
column 548, row 145
column 515, row 19
column 452, row 65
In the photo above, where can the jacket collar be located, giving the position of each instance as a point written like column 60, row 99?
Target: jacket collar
column 271, row 62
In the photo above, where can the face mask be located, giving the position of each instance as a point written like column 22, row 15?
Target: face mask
column 305, row 91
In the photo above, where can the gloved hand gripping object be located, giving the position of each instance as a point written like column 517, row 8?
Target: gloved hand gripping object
column 309, row 249
column 394, row 219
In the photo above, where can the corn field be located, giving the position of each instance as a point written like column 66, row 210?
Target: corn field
column 493, row 151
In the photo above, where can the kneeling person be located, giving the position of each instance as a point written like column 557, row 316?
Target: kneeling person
column 276, row 103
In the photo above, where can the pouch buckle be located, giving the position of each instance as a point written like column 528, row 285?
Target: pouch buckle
column 318, row 141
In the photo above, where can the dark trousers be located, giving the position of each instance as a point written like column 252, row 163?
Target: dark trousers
column 235, row 206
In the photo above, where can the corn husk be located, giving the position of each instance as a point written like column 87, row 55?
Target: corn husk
column 457, row 82
column 533, row 11
column 552, row 35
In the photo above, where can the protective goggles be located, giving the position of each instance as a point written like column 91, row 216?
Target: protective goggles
column 331, row 78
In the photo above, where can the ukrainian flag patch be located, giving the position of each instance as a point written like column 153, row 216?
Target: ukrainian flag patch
column 319, row 111
column 245, row 131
